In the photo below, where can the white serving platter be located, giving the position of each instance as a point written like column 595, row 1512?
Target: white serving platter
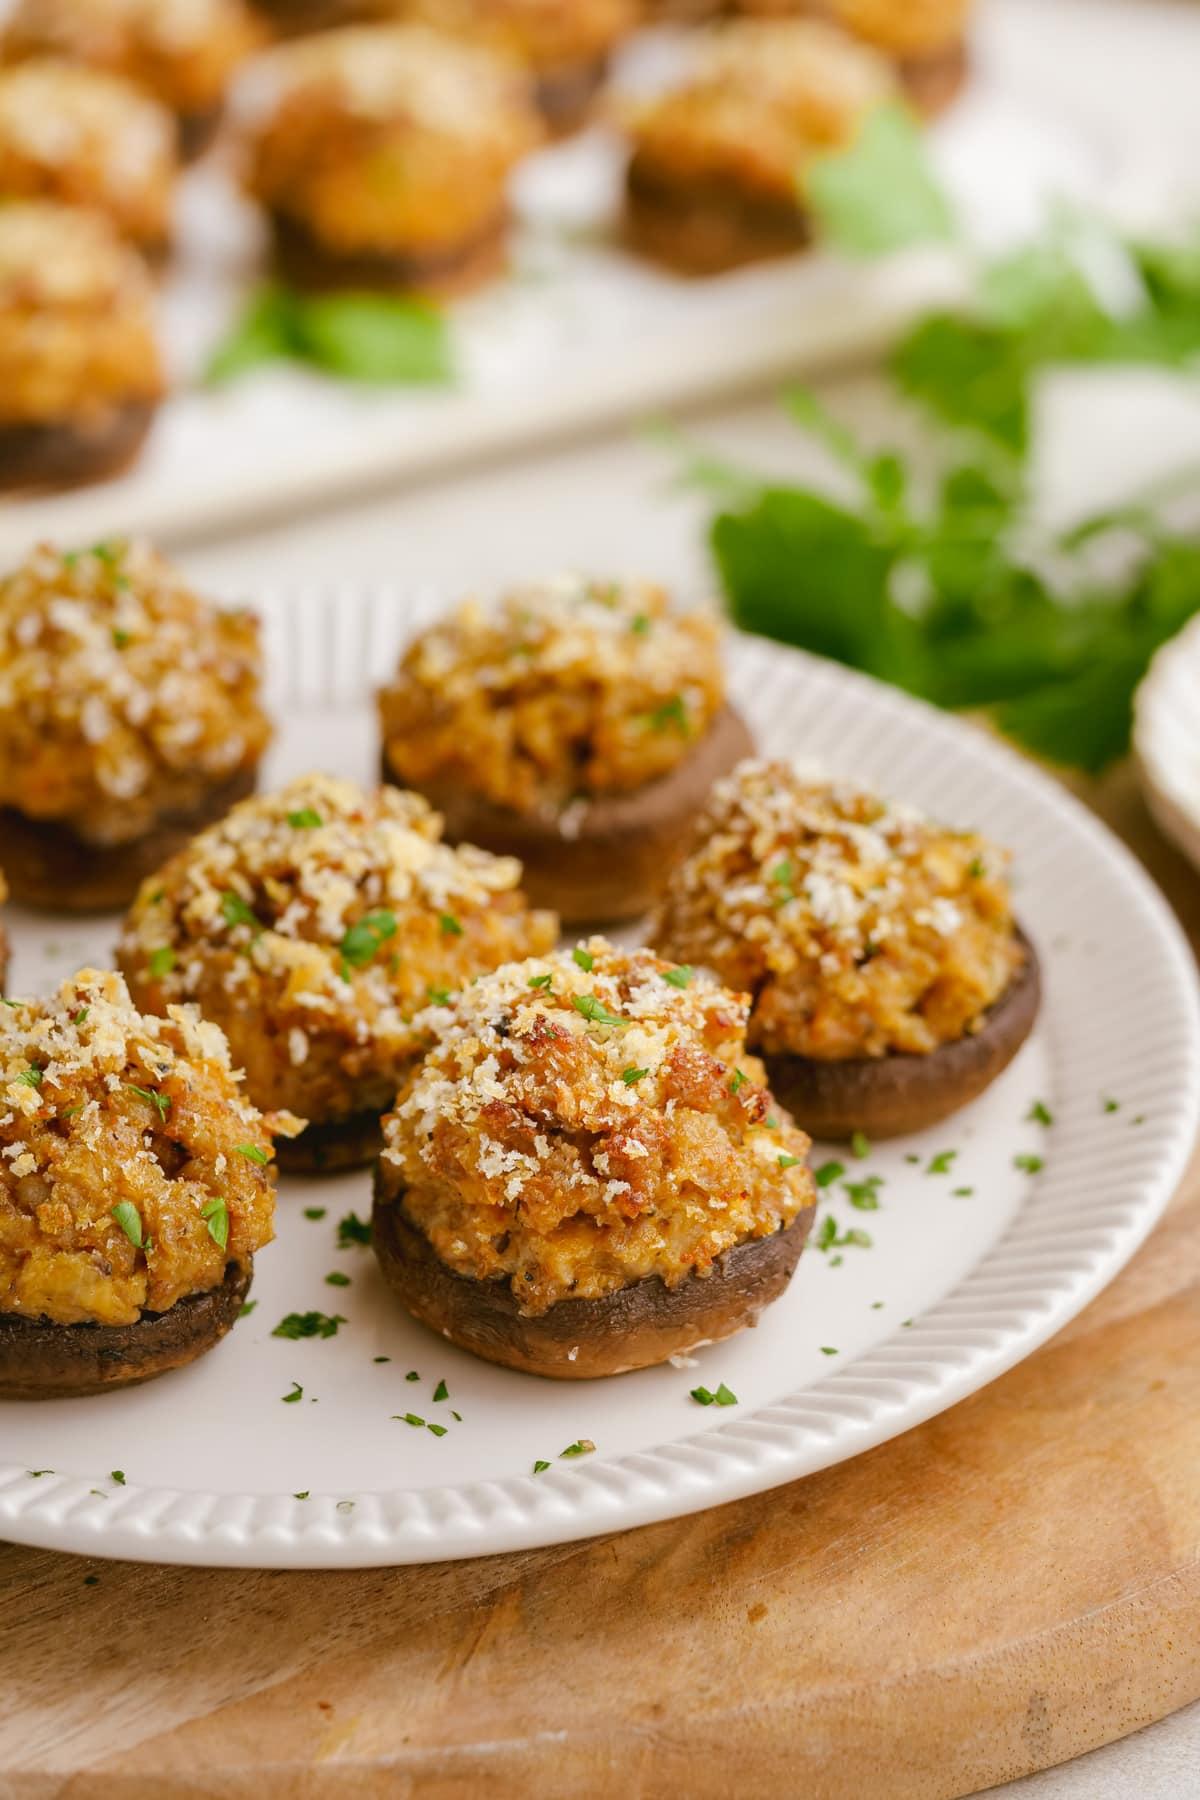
column 1166, row 739
column 580, row 335
column 954, row 1288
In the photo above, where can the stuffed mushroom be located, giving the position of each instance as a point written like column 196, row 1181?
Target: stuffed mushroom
column 313, row 925
column 578, row 725
column 891, row 981
column 925, row 40
column 587, row 1173
column 136, row 1188
column 130, row 716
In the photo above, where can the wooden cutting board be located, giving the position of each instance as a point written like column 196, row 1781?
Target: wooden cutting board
column 1005, row 1587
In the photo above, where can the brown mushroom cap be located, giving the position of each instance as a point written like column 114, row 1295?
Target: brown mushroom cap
column 935, row 80
column 889, row 1096
column 705, row 227
column 334, row 1145
column 622, row 846
column 445, row 274
column 40, row 1360
column 576, row 1340
column 47, row 865
column 66, row 453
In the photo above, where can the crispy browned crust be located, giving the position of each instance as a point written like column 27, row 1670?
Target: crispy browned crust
column 47, row 865
column 933, row 82
column 622, row 847
column 305, row 262
column 64, row 453
column 327, row 1149
column 566, row 95
column 577, row 1340
column 705, row 228
column 889, row 1096
column 196, row 132
column 40, row 1360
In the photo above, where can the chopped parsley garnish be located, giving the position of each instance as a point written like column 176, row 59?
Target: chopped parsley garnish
column 117, row 1475
column 541, row 981
column 309, row 1325
column 31, row 1077
column 640, row 624
column 737, row 1081
column 216, row 1216
column 162, row 961
column 1028, row 1165
column 788, row 1162
column 381, row 1359
column 782, row 877
column 1040, row 1114
column 81, row 1015
column 963, row 1193
column 828, row 1350
column 595, row 1011
column 253, row 1153
column 1111, row 1106
column 305, row 820
column 36, row 1474
column 828, row 1173
column 864, row 1195
column 247, row 1308
column 303, row 1494
column 439, row 996
column 12, row 1005
column 344, row 1506
column 632, row 1076
column 121, row 639
column 160, row 1102
column 583, row 958
column 942, row 1163
column 297, row 1393
column 335, row 1278
column 581, row 1447
column 363, row 941
column 540, row 1466
column 413, row 1375
column 437, row 1430
column 680, row 977
column 672, row 713
column 130, row 1220
column 829, row 1238
column 441, row 1391
column 449, row 924
column 353, row 1230
column 413, row 1419
column 315, row 1212
column 705, row 1397
column 860, row 1145
column 236, row 911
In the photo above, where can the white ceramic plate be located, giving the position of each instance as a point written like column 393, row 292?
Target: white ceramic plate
column 955, row 1287
column 582, row 334
column 1166, row 739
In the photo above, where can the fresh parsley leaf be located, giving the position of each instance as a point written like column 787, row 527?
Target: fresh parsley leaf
column 235, row 911
column 632, row 1076
column 828, row 1173
column 363, row 940
column 540, row 1466
column 162, row 961
column 581, row 1447
column 880, row 194
column 541, row 981
column 450, row 925
column 336, row 1278
column 297, row 1393
column 117, row 1475
column 584, row 958
column 353, row 1230
column 129, row 1219
column 305, row 819
column 376, row 338
column 1039, row 1114
column 680, row 977
column 788, row 1162
column 1028, row 1164
column 737, row 1081
column 215, row 1214
column 942, row 1163
column 160, row 1102
column 254, row 1153
column 441, row 1391
column 596, row 1013
column 247, row 1308
column 864, row 1195
column 308, row 1325
column 30, row 1077
column 860, row 1145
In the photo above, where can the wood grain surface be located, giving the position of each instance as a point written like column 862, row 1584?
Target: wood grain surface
column 1009, row 1585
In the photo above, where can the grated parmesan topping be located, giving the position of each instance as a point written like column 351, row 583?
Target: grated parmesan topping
column 87, row 138
column 758, row 98
column 314, row 923
column 568, row 688
column 59, row 258
column 580, row 1122
column 183, row 51
column 122, row 694
column 541, row 32
column 397, row 74
column 100, row 1106
column 860, row 926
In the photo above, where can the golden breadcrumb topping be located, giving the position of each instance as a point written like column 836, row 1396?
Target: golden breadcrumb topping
column 542, row 33
column 566, row 690
column 133, row 1170
column 181, row 51
column 588, row 1119
column 314, row 924
column 859, row 926
column 77, row 336
column 374, row 137
column 87, row 139
column 917, row 28
column 123, row 696
column 760, row 98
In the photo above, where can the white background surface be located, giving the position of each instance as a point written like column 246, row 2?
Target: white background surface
column 1130, row 65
